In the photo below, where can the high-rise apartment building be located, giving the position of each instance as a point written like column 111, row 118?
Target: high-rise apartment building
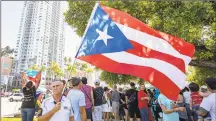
column 41, row 35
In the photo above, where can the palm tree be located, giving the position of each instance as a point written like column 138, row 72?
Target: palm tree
column 34, row 67
column 70, row 70
column 6, row 51
column 65, row 60
column 59, row 73
column 89, row 70
column 69, row 60
column 43, row 68
column 54, row 70
column 96, row 68
column 83, row 67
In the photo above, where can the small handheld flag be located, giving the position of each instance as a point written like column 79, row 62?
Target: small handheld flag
column 34, row 76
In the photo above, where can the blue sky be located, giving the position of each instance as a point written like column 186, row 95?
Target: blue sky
column 10, row 20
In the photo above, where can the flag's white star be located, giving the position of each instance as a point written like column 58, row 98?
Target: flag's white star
column 103, row 35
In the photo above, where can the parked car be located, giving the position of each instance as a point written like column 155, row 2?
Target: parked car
column 2, row 94
column 16, row 97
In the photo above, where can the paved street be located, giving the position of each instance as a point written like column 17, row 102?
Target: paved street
column 9, row 108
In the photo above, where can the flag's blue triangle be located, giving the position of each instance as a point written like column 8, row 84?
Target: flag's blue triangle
column 103, row 36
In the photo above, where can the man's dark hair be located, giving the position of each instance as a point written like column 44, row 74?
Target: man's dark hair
column 184, row 90
column 63, row 81
column 29, row 84
column 194, row 87
column 132, row 84
column 84, row 80
column 75, row 81
column 106, row 88
column 211, row 82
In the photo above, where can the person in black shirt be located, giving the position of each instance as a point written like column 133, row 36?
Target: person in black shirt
column 98, row 93
column 28, row 104
column 132, row 102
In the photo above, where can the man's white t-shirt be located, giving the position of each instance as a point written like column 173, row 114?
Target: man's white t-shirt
column 63, row 114
column 77, row 98
column 209, row 104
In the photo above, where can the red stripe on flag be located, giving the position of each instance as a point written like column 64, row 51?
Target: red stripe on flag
column 35, row 79
column 125, row 19
column 156, row 78
column 143, row 51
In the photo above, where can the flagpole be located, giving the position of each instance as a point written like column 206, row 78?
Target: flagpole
column 89, row 22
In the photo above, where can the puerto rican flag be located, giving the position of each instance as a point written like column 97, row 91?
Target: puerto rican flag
column 34, row 76
column 116, row 42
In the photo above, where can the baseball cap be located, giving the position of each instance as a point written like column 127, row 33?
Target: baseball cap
column 97, row 82
column 75, row 81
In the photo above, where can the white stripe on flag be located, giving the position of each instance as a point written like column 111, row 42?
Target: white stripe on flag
column 152, row 42
column 172, row 72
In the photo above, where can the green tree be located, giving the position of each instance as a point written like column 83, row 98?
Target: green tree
column 65, row 60
column 70, row 70
column 43, row 68
column 6, row 51
column 195, row 22
column 198, row 75
column 83, row 67
column 69, row 60
column 34, row 67
column 54, row 70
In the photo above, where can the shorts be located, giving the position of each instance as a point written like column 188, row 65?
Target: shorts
column 89, row 113
column 115, row 107
column 132, row 110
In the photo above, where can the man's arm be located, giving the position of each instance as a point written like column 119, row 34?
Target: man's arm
column 82, row 107
column 205, row 107
column 191, row 103
column 92, row 98
column 83, row 113
column 168, row 111
column 126, row 99
column 38, row 78
column 205, row 94
column 180, row 99
column 71, row 118
column 202, row 112
column 23, row 79
column 48, row 115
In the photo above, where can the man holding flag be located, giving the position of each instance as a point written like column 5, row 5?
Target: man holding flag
column 54, row 109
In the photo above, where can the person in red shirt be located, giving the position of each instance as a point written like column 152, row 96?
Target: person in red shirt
column 196, row 100
column 143, row 99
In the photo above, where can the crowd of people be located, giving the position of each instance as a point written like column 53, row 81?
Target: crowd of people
column 81, row 102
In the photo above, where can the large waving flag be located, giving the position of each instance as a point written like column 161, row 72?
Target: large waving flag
column 116, row 42
column 34, row 76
